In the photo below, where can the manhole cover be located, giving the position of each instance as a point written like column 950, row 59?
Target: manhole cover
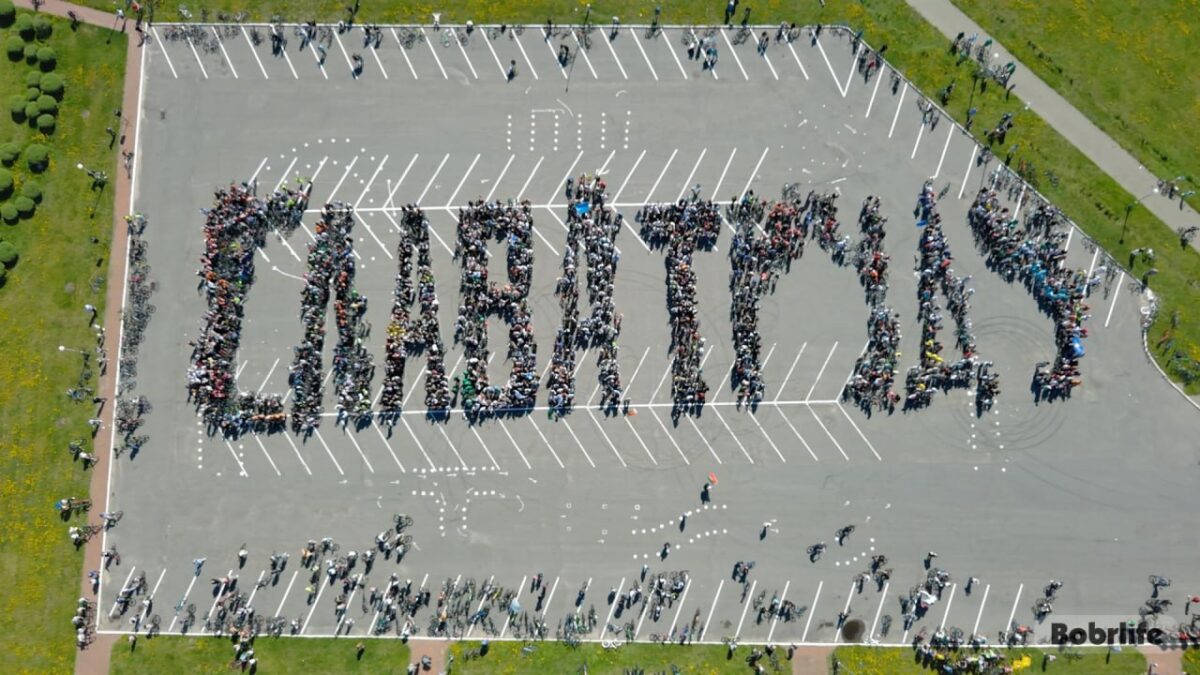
column 853, row 630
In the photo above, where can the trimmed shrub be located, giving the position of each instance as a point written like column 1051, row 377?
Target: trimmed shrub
column 32, row 112
column 42, row 27
column 16, row 107
column 47, row 105
column 32, row 189
column 32, row 94
column 8, row 254
column 47, row 59
column 9, row 152
column 9, row 213
column 25, row 206
column 51, row 84
column 45, row 124
column 33, row 79
column 31, row 53
column 24, row 27
column 6, row 183
column 15, row 47
column 37, row 156
column 8, row 13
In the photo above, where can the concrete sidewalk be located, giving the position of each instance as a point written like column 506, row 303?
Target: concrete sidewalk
column 1068, row 121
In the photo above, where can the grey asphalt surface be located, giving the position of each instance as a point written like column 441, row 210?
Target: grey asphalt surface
column 1022, row 495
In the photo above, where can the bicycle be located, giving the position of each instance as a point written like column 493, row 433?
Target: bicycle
column 743, row 34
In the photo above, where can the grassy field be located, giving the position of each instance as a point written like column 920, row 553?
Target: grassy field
column 41, row 307
column 275, row 655
column 1126, row 68
column 507, row 658
column 902, row 661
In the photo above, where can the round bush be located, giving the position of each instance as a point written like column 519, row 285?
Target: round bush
column 32, row 189
column 45, row 124
column 33, row 79
column 16, row 106
column 47, row 59
column 37, row 156
column 24, row 26
column 51, row 84
column 9, row 152
column 32, row 112
column 42, row 27
column 32, row 94
column 8, row 254
column 8, row 13
column 6, row 182
column 9, row 213
column 30, row 54
column 47, row 105
column 25, row 206
column 15, row 47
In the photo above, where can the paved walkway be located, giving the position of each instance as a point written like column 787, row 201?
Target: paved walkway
column 1068, row 121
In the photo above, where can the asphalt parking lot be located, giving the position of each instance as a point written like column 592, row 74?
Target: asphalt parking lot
column 1022, row 494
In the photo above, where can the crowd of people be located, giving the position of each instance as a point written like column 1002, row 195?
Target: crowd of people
column 935, row 273
column 681, row 228
column 756, row 263
column 330, row 265
column 235, row 227
column 482, row 299
column 597, row 225
column 1037, row 254
column 871, row 381
column 403, row 337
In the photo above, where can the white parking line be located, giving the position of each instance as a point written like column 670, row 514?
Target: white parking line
column 548, row 446
column 1114, row 300
column 860, row 433
column 1092, row 267
column 789, row 372
column 454, row 35
column 712, row 609
column 797, row 433
column 562, row 183
column 464, row 180
column 687, row 183
column 485, row 447
column 517, row 447
column 283, row 50
column 378, row 61
column 583, row 52
column 216, row 599
column 371, row 182
column 673, row 55
column 197, row 55
column 420, row 446
column 508, row 615
column 163, row 49
column 221, row 44
column 975, row 630
column 264, row 449
column 821, row 372
column 608, row 43
column 577, row 442
column 392, row 192
column 296, row 449
column 626, row 182
column 837, row 637
column 386, row 444
column 745, row 607
column 254, row 52
column 898, row 104
column 433, row 51
column 1013, row 613
column 503, row 76
column 283, row 178
column 682, row 599
column 705, row 439
column 362, row 454
column 345, row 54
column 250, row 600
column 500, row 178
column 320, row 63
column 449, row 442
column 949, row 603
column 433, row 178
column 735, row 56
column 916, row 145
column 754, row 173
column 735, row 438
column 550, row 597
column 241, row 467
column 970, row 163
column 349, row 168
column 713, row 68
column 1070, row 234
column 721, row 180
column 404, row 53
column 317, row 601
column 527, row 61
column 608, row 440
column 871, row 104
column 797, row 57
column 329, row 452
column 949, row 133
column 612, row 608
column 481, row 601
column 1020, row 200
column 183, row 603
column 666, row 166
column 153, row 592
column 671, row 438
column 521, row 193
column 878, row 611
column 758, row 41
column 827, row 433
column 633, row 35
column 286, row 592
column 562, row 69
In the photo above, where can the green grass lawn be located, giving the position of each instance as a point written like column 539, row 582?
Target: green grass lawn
column 1191, row 661
column 41, row 307
column 275, row 655
column 901, row 661
column 507, row 658
column 1128, row 69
